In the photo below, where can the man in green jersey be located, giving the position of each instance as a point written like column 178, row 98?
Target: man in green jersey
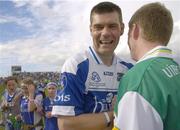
column 149, row 94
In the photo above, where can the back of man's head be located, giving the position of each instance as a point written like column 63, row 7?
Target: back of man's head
column 106, row 7
column 156, row 22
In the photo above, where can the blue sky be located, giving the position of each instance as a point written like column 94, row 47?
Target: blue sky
column 40, row 34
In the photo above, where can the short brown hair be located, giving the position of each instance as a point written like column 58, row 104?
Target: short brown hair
column 28, row 81
column 11, row 78
column 106, row 7
column 156, row 22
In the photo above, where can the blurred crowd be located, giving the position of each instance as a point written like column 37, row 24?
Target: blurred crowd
column 38, row 77
column 27, row 99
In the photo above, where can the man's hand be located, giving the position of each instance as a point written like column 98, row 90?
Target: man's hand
column 113, row 103
column 4, row 106
column 48, row 114
column 18, row 117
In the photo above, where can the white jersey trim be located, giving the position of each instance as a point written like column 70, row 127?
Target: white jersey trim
column 63, row 110
column 97, row 59
column 102, row 89
column 157, row 52
column 136, row 113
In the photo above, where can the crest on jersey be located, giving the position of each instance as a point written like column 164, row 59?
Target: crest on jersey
column 119, row 76
column 63, row 80
column 109, row 97
column 95, row 77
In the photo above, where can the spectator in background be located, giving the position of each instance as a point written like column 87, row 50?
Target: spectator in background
column 50, row 121
column 10, row 103
column 31, row 106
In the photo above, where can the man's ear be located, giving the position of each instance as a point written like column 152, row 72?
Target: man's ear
column 122, row 28
column 135, row 31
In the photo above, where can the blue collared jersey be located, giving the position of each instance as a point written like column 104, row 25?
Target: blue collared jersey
column 50, row 123
column 89, row 85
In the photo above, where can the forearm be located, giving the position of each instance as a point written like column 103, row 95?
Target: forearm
column 94, row 121
column 31, row 103
column 31, row 106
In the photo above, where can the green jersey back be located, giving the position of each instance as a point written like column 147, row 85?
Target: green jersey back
column 157, row 80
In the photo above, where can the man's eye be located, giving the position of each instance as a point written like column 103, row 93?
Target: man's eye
column 113, row 26
column 98, row 27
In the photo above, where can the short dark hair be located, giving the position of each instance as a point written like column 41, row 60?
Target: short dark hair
column 106, row 7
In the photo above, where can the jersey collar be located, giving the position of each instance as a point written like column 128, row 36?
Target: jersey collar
column 98, row 59
column 159, row 51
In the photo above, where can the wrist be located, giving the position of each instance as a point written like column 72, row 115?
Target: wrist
column 31, row 96
column 31, row 99
column 108, row 120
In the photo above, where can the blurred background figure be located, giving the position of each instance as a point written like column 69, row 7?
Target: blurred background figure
column 10, row 104
column 31, row 106
column 50, row 121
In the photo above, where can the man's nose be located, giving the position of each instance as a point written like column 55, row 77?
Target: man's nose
column 106, row 31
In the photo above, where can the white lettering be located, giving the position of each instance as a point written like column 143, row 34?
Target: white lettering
column 171, row 70
column 63, row 98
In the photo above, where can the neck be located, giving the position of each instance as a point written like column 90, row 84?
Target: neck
column 147, row 46
column 25, row 96
column 11, row 92
column 107, row 60
column 51, row 96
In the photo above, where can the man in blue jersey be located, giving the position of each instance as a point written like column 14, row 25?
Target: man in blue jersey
column 90, row 79
column 149, row 93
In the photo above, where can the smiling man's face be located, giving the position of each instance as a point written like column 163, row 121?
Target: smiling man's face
column 105, row 30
